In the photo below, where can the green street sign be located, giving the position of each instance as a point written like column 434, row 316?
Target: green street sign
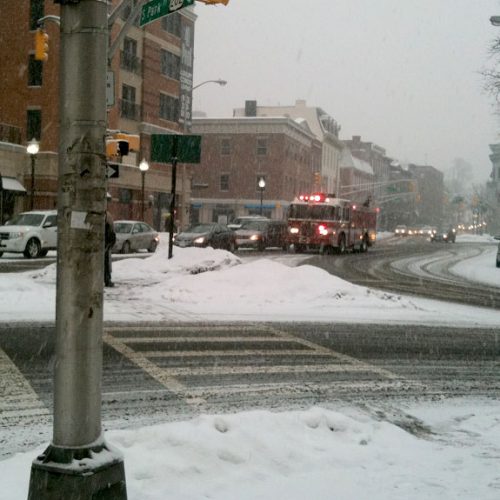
column 158, row 8
column 185, row 148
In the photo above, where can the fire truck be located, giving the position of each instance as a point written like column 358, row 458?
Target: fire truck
column 323, row 223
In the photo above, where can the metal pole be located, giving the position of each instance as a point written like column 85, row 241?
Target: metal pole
column 172, row 198
column 77, row 432
column 32, row 194
column 143, row 176
column 261, row 199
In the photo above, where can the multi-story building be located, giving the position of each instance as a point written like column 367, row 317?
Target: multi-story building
column 428, row 190
column 376, row 157
column 150, row 72
column 321, row 124
column 237, row 152
column 356, row 178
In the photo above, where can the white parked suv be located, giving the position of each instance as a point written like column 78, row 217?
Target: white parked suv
column 30, row 233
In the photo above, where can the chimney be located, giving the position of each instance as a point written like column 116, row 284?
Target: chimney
column 250, row 108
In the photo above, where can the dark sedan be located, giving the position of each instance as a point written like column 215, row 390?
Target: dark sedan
column 207, row 235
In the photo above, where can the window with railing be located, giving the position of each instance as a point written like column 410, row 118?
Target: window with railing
column 172, row 24
column 128, row 107
column 169, row 108
column 128, row 57
column 170, row 65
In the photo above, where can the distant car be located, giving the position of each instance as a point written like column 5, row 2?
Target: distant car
column 210, row 234
column 30, row 233
column 444, row 235
column 236, row 223
column 401, row 230
column 262, row 234
column 132, row 236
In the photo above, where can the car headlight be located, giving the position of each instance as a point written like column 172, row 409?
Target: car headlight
column 255, row 237
column 294, row 230
column 13, row 236
column 200, row 240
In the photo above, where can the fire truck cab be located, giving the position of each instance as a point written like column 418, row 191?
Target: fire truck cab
column 323, row 223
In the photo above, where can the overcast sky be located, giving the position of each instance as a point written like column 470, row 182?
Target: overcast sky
column 400, row 73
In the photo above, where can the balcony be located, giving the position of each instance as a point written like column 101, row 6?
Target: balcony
column 130, row 110
column 9, row 133
column 130, row 62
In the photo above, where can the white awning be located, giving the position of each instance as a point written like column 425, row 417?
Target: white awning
column 11, row 184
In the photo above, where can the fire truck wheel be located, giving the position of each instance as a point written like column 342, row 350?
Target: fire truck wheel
column 342, row 247
column 299, row 248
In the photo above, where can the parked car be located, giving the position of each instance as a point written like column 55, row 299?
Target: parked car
column 210, row 234
column 261, row 234
column 401, row 230
column 30, row 233
column 132, row 236
column 236, row 223
column 444, row 235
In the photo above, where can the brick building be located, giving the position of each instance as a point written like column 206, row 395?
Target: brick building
column 429, row 194
column 237, row 152
column 322, row 125
column 152, row 70
column 356, row 178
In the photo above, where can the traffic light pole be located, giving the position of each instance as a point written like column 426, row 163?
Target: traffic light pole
column 79, row 464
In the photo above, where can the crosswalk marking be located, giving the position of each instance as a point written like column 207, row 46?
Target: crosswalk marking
column 17, row 395
column 281, row 344
column 149, row 367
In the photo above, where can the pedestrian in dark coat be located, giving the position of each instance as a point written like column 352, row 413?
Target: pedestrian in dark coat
column 109, row 241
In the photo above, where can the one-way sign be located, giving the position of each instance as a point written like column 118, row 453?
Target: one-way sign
column 158, row 8
column 112, row 170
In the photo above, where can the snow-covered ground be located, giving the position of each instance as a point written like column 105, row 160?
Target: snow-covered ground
column 441, row 450
column 207, row 284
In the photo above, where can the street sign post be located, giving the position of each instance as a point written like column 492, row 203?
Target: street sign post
column 172, row 148
column 158, row 8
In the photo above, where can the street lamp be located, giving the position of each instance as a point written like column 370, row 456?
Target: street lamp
column 32, row 148
column 219, row 82
column 143, row 167
column 262, row 186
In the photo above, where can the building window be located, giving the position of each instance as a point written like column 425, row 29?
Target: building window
column 262, row 146
column 170, row 65
column 34, row 124
column 34, row 72
column 128, row 105
column 224, row 182
column 129, row 60
column 36, row 12
column 125, row 195
column 172, row 24
column 225, row 147
column 169, row 108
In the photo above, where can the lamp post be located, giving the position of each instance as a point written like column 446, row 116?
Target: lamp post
column 32, row 148
column 262, row 186
column 143, row 167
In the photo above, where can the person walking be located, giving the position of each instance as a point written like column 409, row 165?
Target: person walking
column 109, row 241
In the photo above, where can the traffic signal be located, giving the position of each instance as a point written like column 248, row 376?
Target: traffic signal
column 317, row 178
column 41, row 45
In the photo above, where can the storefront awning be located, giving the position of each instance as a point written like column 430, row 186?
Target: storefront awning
column 11, row 184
